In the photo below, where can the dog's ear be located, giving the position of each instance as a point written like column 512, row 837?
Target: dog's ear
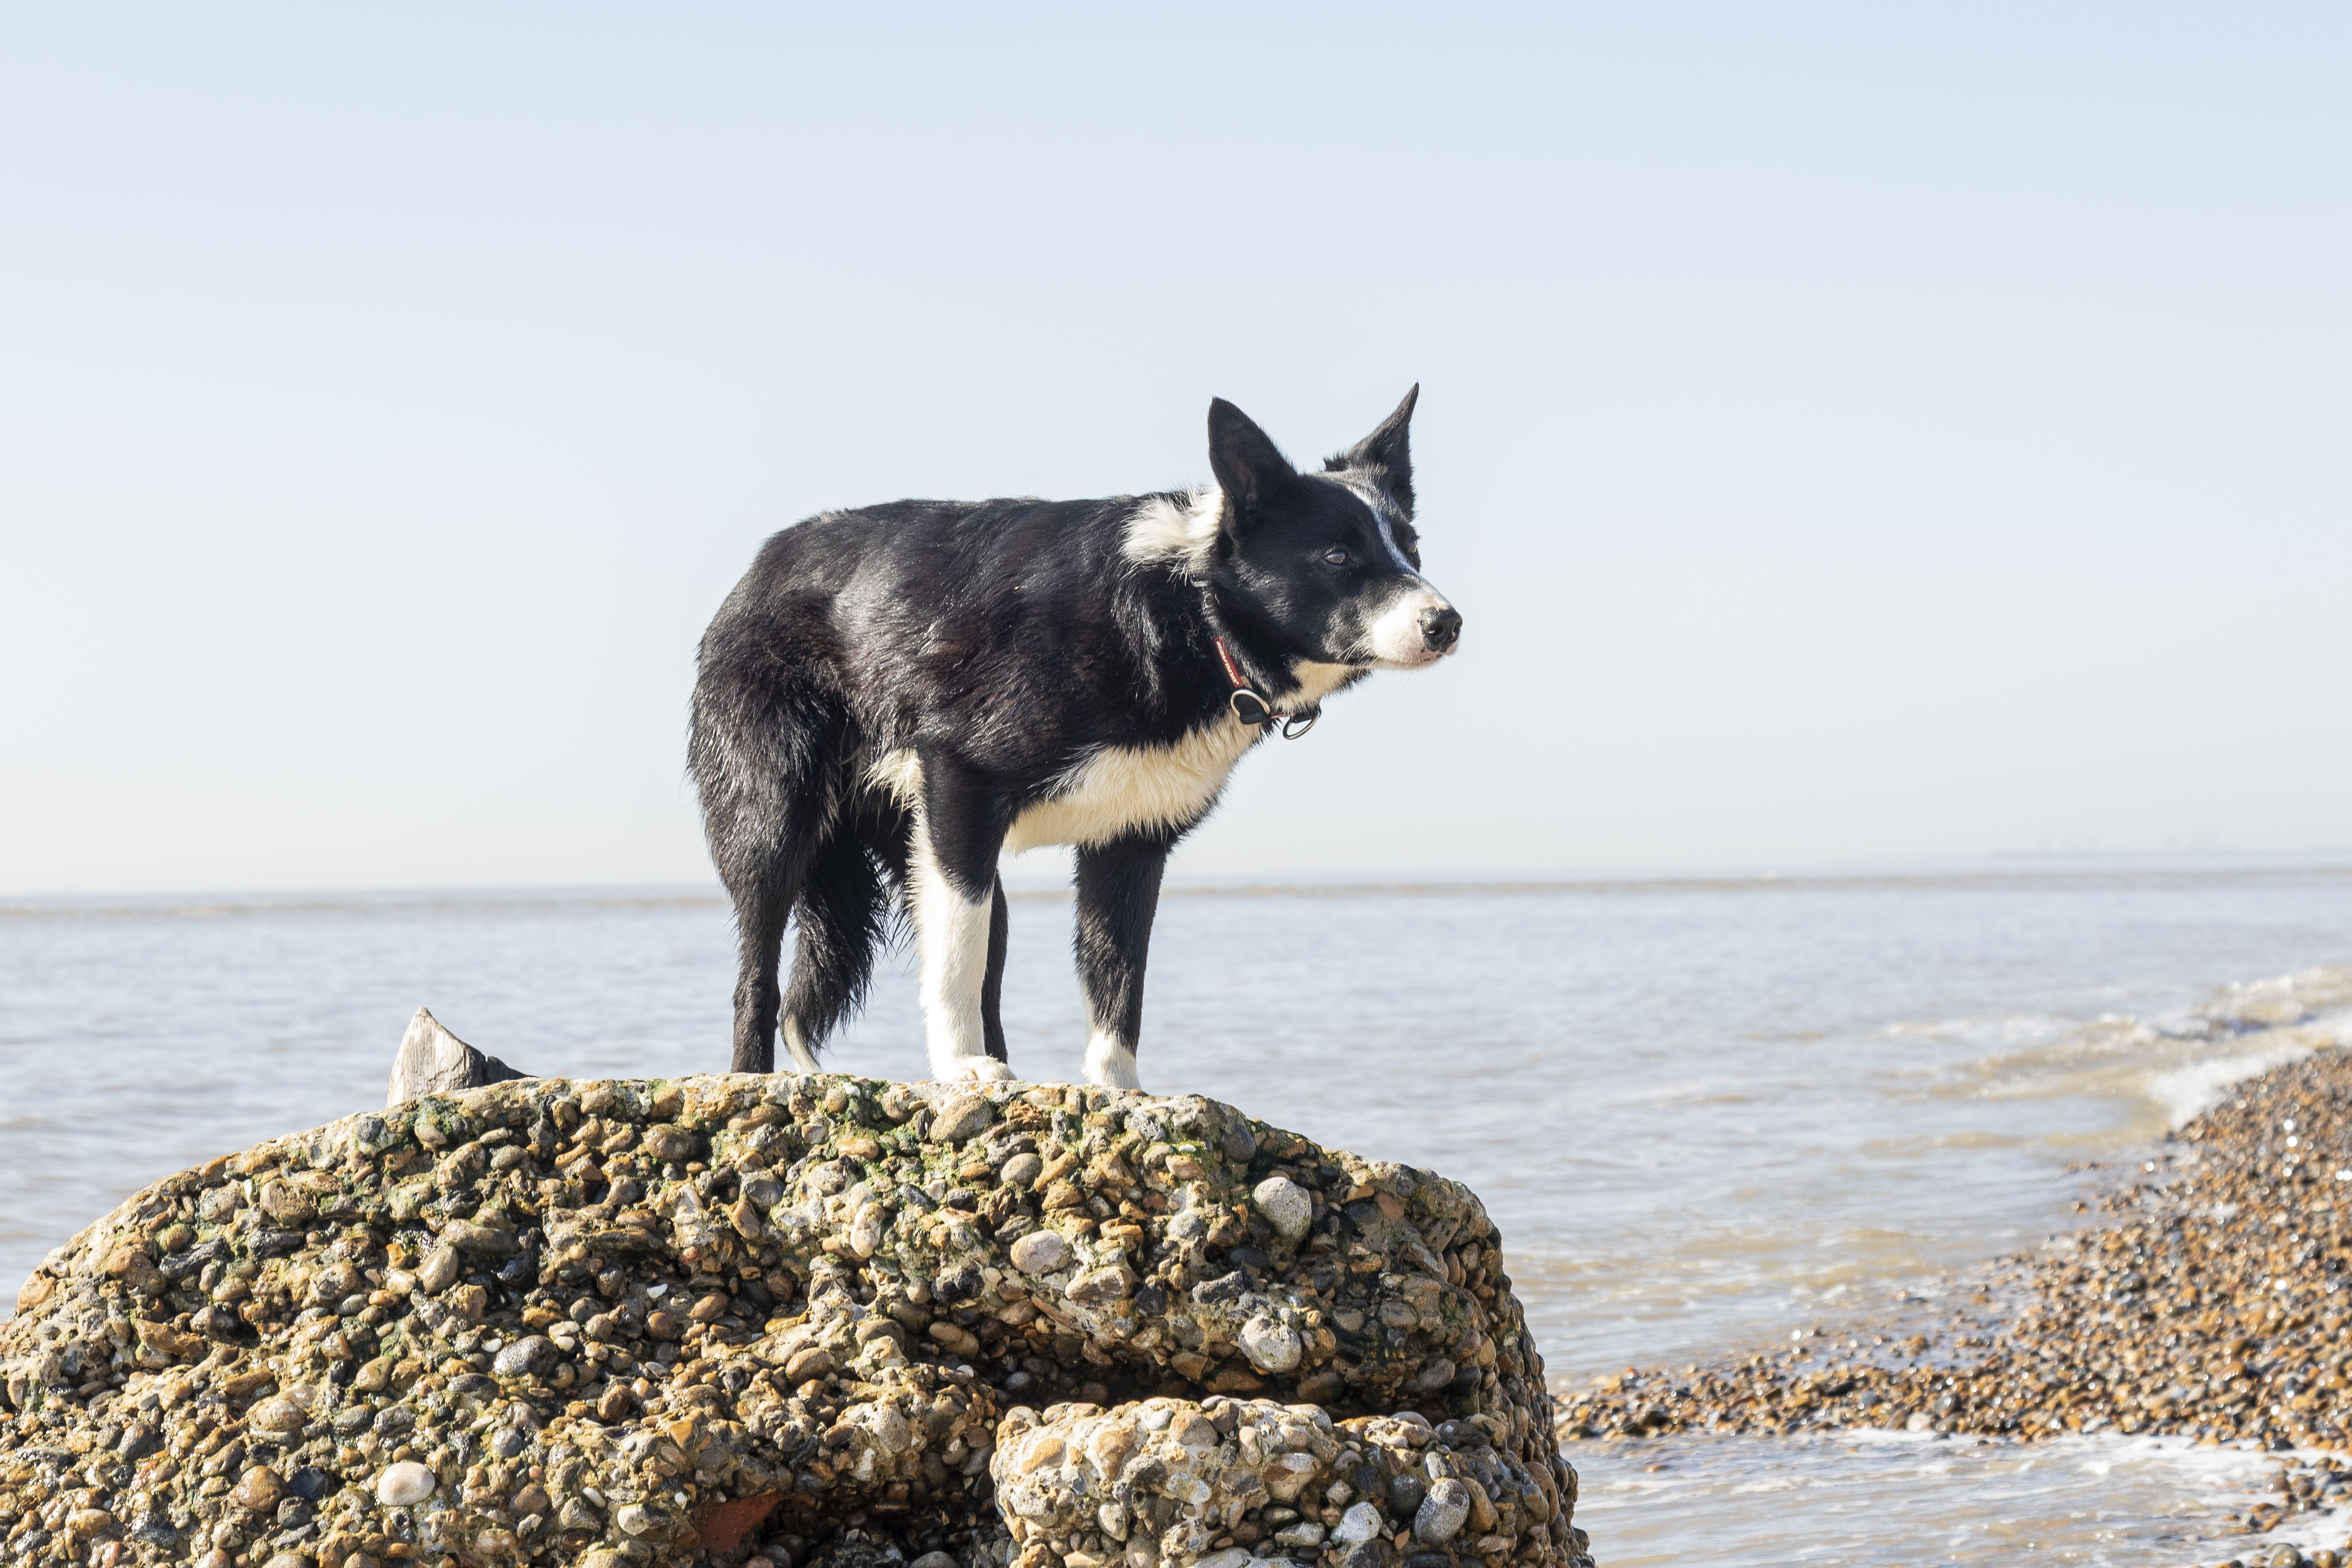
column 1248, row 468
column 1386, row 454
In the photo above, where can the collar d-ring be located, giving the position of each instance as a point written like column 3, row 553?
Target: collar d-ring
column 1251, row 709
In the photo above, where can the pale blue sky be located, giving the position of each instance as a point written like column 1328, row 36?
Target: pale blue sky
column 1850, row 432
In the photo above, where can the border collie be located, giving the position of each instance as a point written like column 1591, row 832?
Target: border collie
column 892, row 697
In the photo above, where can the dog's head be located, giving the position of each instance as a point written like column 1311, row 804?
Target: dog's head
column 1327, row 564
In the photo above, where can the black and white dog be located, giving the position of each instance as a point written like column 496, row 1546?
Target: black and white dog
column 891, row 698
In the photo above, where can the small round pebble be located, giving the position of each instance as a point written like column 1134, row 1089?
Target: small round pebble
column 956, row 1116
column 1041, row 1252
column 1271, row 1345
column 1360, row 1522
column 526, row 1357
column 1288, row 1206
column 279, row 1414
column 440, row 1269
column 259, row 1489
column 1442, row 1513
column 403, row 1484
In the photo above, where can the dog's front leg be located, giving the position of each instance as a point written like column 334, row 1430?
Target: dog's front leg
column 1119, row 893
column 952, row 892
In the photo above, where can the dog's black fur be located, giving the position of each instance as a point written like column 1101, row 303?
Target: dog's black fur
column 892, row 694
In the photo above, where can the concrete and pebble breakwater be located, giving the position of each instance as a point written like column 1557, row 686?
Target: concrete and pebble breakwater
column 825, row 1320
column 2214, row 1299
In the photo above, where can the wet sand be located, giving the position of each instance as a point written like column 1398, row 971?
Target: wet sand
column 2209, row 1300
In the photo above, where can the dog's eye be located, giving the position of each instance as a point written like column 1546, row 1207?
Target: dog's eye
column 1335, row 556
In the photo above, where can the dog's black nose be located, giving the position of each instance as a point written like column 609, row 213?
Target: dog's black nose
column 1440, row 629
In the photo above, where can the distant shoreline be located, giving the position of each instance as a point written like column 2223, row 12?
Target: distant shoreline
column 2077, row 878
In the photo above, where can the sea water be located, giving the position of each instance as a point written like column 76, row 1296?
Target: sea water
column 1706, row 1113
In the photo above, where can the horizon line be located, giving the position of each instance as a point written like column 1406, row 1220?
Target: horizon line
column 647, row 896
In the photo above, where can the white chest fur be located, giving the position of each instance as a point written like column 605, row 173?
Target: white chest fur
column 1121, row 788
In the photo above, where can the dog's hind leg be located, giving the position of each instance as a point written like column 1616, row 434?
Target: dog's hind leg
column 841, row 916
column 992, row 989
column 1119, row 894
column 761, row 908
column 951, row 891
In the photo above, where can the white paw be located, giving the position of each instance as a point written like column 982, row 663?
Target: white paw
column 972, row 1069
column 1110, row 1064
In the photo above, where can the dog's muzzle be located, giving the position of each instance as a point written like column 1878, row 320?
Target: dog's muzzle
column 1418, row 628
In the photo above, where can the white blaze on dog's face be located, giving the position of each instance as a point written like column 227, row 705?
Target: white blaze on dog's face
column 1332, row 558
column 1417, row 626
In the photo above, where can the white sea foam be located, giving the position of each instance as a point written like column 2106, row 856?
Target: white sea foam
column 1879, row 1497
column 2187, row 1092
column 2267, row 1023
column 2009, row 1031
column 2182, row 1060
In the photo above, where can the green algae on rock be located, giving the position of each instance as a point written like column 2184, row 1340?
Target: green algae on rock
column 629, row 1322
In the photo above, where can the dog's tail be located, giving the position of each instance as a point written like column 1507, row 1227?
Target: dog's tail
column 766, row 752
column 846, row 915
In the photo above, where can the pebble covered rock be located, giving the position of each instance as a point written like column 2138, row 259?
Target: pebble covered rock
column 1172, row 1480
column 618, row 1323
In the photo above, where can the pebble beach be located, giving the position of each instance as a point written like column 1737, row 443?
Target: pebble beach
column 2208, row 1301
